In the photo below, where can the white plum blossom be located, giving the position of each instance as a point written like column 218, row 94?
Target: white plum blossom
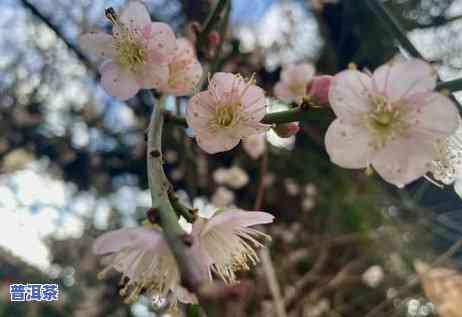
column 223, row 243
column 447, row 164
column 295, row 79
column 389, row 120
column 373, row 276
column 229, row 111
column 136, row 54
column 185, row 71
column 228, row 242
column 255, row 145
column 141, row 255
column 222, row 197
column 235, row 177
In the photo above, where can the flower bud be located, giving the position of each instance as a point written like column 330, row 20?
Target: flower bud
column 213, row 38
column 286, row 130
column 319, row 88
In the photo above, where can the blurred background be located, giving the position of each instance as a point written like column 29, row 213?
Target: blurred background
column 72, row 161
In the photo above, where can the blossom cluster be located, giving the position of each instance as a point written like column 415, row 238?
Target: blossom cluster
column 391, row 121
column 141, row 54
column 223, row 244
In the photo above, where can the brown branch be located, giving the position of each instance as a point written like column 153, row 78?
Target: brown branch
column 71, row 46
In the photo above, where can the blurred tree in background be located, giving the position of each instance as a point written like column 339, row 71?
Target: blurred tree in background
column 73, row 159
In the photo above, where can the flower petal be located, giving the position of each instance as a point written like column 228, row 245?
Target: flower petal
column 188, row 79
column 403, row 78
column 99, row 43
column 222, row 83
column 349, row 94
column 200, row 111
column 255, row 145
column 118, row 82
column 135, row 15
column 254, row 102
column 185, row 70
column 235, row 218
column 248, row 128
column 437, row 117
column 162, row 42
column 401, row 162
column 116, row 240
column 152, row 75
column 218, row 142
column 348, row 145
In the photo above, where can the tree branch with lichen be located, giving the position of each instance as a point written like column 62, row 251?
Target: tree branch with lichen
column 177, row 239
column 192, row 275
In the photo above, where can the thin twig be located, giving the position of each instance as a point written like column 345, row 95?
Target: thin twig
column 210, row 22
column 191, row 274
column 214, row 64
column 393, row 25
column 414, row 281
column 291, row 115
column 264, row 253
column 74, row 48
column 390, row 22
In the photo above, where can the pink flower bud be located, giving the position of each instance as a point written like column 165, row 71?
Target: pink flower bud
column 319, row 88
column 286, row 130
column 213, row 38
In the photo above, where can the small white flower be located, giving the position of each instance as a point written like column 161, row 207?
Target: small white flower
column 224, row 244
column 447, row 164
column 293, row 189
column 235, row 177
column 373, row 276
column 222, row 197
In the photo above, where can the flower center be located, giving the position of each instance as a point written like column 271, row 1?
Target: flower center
column 130, row 52
column 385, row 121
column 297, row 89
column 225, row 117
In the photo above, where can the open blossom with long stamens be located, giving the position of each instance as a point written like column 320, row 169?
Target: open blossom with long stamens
column 230, row 110
column 141, row 255
column 223, row 244
column 389, row 120
column 136, row 54
column 227, row 242
column 185, row 71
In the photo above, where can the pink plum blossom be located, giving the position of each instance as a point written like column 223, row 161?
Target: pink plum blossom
column 230, row 110
column 389, row 120
column 136, row 54
column 141, row 255
column 227, row 243
column 185, row 71
column 295, row 79
column 223, row 243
